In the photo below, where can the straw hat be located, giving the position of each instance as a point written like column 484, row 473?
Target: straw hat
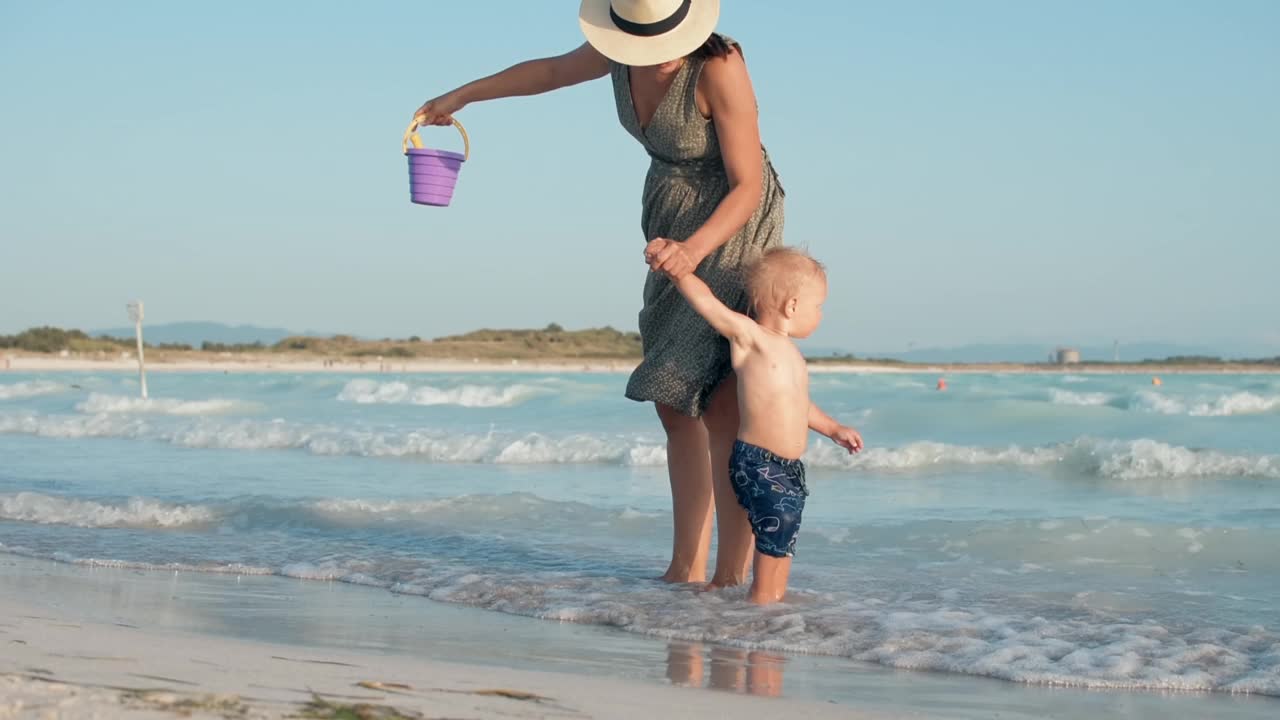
column 647, row 32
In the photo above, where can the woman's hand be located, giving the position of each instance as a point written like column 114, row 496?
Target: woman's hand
column 670, row 257
column 439, row 111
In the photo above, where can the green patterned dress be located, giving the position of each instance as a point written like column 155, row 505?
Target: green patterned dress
column 684, row 358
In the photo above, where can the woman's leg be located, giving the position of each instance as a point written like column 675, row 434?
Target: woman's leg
column 684, row 663
column 688, row 465
column 733, row 531
column 728, row 669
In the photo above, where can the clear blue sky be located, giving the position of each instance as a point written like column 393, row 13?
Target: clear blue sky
column 1068, row 171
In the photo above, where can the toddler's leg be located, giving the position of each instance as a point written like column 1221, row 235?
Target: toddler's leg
column 770, row 582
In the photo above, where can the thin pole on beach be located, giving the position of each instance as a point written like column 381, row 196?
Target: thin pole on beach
column 135, row 314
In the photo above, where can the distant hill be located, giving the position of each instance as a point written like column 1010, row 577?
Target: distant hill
column 194, row 333
column 820, row 351
column 1029, row 353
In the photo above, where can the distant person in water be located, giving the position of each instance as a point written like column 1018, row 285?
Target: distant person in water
column 786, row 289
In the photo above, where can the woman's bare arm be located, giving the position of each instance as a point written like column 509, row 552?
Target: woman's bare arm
column 532, row 77
column 728, row 91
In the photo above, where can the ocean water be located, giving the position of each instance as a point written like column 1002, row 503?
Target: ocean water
column 1062, row 530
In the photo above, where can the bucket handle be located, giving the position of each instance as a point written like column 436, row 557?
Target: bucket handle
column 411, row 138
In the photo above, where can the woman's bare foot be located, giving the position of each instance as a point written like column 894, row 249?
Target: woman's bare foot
column 677, row 576
column 719, row 582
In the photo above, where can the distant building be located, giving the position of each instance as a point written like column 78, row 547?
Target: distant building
column 1067, row 356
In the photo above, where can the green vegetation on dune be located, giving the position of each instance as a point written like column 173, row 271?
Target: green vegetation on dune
column 51, row 340
column 846, row 358
column 55, row 340
column 552, row 342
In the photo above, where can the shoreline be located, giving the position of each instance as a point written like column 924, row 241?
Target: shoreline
column 285, row 364
column 120, row 659
column 346, row 365
column 97, row 670
column 106, row 642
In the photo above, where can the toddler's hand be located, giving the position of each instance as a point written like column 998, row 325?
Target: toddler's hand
column 669, row 257
column 652, row 249
column 847, row 438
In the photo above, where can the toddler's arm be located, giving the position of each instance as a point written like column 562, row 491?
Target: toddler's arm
column 824, row 424
column 734, row 326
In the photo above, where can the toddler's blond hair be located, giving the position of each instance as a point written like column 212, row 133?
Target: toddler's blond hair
column 778, row 275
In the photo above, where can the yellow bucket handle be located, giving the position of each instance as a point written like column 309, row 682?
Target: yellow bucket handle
column 411, row 138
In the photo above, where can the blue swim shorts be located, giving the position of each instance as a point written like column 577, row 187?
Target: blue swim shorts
column 772, row 491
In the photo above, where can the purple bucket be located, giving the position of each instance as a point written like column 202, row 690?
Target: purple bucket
column 433, row 173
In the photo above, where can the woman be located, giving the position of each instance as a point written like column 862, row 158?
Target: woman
column 684, row 93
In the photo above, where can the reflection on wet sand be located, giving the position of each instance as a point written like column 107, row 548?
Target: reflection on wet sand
column 752, row 672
